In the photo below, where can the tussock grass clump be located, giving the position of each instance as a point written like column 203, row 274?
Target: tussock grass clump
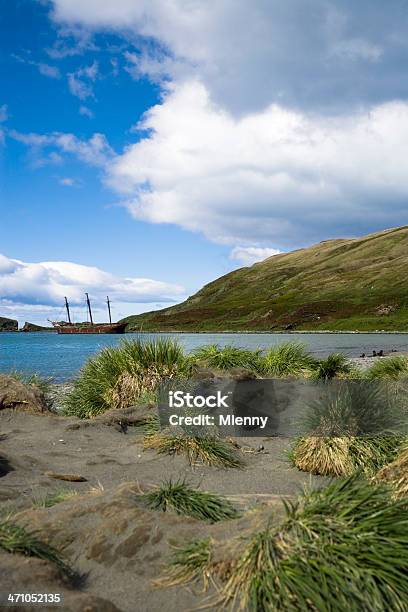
column 370, row 453
column 118, row 377
column 206, row 450
column 227, row 357
column 35, row 380
column 148, row 426
column 354, row 408
column 340, row 548
column 288, row 359
column 190, row 502
column 56, row 497
column 324, row 456
column 17, row 539
column 389, row 368
column 333, row 366
column 188, row 563
column 396, row 473
column 353, row 425
column 342, row 456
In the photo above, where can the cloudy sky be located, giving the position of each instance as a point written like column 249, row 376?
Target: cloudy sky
column 150, row 146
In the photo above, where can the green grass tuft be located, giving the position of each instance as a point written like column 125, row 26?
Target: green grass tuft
column 355, row 408
column 56, row 497
column 340, row 548
column 389, row 368
column 119, row 377
column 396, row 472
column 343, row 456
column 148, row 426
column 333, row 366
column 288, row 359
column 17, row 539
column 227, row 357
column 206, row 450
column 188, row 564
column 191, row 502
column 354, row 425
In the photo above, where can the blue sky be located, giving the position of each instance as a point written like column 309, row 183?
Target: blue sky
column 46, row 219
column 149, row 147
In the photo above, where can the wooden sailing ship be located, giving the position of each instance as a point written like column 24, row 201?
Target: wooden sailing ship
column 68, row 327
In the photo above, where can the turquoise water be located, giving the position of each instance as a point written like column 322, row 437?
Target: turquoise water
column 62, row 356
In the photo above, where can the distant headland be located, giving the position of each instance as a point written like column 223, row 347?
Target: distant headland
column 11, row 325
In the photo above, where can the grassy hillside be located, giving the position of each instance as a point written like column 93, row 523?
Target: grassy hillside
column 344, row 284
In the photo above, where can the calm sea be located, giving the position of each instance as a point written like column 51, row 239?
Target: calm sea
column 62, row 356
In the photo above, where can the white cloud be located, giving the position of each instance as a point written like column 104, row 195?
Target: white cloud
column 358, row 49
column 122, row 13
column 46, row 283
column 91, row 71
column 115, row 66
column 32, row 139
column 49, row 71
column 78, row 88
column 80, row 82
column 276, row 175
column 3, row 113
column 250, row 54
column 86, row 112
column 8, row 266
column 45, row 69
column 258, row 139
column 71, row 41
column 67, row 181
column 251, row 255
column 95, row 151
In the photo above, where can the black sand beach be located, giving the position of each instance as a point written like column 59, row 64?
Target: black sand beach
column 104, row 533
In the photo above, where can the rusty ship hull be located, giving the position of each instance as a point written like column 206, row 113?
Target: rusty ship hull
column 96, row 328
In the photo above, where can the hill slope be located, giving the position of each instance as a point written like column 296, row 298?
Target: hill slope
column 343, row 284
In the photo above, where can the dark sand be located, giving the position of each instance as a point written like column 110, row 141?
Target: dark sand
column 106, row 534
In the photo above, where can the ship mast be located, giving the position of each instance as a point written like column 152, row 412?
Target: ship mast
column 89, row 308
column 67, row 307
column 109, row 308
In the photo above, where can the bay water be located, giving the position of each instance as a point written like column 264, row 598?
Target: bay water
column 62, row 356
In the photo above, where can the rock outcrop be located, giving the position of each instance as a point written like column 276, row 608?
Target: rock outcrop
column 7, row 325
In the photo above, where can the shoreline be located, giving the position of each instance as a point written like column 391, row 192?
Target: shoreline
column 231, row 331
column 60, row 388
column 249, row 332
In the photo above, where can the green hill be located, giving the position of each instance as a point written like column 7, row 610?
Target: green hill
column 344, row 284
column 33, row 327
